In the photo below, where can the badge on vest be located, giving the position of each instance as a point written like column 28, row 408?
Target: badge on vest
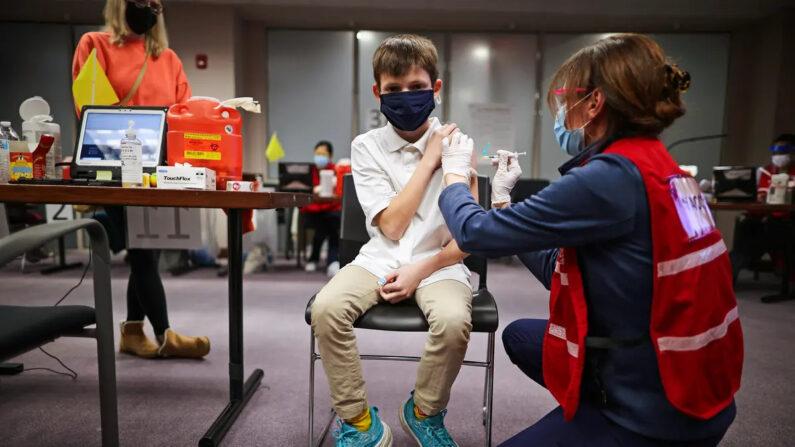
column 694, row 214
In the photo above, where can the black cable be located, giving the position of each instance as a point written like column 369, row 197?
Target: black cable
column 85, row 270
column 73, row 374
column 50, row 370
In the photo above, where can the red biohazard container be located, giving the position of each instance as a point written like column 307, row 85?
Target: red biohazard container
column 206, row 134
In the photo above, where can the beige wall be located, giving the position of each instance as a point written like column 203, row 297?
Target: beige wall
column 760, row 102
column 761, row 96
column 253, row 68
column 210, row 30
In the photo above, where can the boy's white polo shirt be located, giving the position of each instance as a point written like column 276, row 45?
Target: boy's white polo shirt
column 382, row 163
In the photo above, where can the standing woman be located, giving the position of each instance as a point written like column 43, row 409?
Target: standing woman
column 643, row 346
column 134, row 40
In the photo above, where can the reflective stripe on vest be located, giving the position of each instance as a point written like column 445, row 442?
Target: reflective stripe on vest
column 691, row 260
column 560, row 332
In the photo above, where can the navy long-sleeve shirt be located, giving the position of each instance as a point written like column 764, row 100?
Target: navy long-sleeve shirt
column 601, row 209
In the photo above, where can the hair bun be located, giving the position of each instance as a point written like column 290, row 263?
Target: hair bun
column 678, row 79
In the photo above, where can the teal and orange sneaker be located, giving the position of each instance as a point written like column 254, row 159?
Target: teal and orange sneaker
column 379, row 434
column 428, row 433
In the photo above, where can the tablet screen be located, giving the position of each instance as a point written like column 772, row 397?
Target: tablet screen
column 103, row 130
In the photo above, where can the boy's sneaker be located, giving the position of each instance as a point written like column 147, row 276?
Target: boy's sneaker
column 379, row 434
column 428, row 433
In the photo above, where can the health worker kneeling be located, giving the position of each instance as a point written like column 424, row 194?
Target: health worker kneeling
column 643, row 345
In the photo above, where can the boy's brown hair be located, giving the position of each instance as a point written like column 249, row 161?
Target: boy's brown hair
column 397, row 54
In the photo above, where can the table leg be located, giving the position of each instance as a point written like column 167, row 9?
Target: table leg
column 239, row 392
column 62, row 265
column 784, row 294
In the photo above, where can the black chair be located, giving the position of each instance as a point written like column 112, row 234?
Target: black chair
column 406, row 316
column 527, row 187
column 23, row 328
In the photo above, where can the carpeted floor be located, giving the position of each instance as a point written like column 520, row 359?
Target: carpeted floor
column 172, row 402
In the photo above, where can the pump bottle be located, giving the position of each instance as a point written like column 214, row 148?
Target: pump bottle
column 131, row 155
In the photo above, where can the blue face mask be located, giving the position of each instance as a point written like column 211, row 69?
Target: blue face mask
column 321, row 161
column 570, row 141
column 407, row 110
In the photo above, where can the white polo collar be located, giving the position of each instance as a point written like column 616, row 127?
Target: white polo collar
column 395, row 142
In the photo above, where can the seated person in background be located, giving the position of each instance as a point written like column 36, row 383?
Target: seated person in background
column 410, row 254
column 759, row 233
column 324, row 218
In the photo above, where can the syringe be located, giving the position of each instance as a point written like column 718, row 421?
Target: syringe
column 496, row 157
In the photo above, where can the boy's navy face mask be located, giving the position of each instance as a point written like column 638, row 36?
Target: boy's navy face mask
column 407, row 110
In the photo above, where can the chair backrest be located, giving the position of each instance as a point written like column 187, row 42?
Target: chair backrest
column 353, row 225
column 353, row 229
column 526, row 187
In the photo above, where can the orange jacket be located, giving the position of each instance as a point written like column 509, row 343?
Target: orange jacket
column 163, row 84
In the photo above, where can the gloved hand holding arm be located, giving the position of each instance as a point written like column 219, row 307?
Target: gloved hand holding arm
column 508, row 173
column 457, row 158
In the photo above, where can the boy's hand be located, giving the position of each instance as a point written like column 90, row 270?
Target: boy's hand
column 402, row 283
column 433, row 149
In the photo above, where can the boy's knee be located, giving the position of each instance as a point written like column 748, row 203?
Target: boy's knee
column 451, row 325
column 328, row 314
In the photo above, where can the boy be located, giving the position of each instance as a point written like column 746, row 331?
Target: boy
column 410, row 253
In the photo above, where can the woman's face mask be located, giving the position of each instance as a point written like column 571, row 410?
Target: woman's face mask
column 321, row 161
column 140, row 19
column 407, row 110
column 572, row 141
column 782, row 160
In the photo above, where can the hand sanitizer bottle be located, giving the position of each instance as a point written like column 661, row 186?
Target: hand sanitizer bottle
column 131, row 153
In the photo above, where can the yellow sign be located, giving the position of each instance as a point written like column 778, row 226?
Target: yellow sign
column 202, row 136
column 203, row 155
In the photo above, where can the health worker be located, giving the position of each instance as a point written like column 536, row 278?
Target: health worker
column 643, row 346
column 133, row 52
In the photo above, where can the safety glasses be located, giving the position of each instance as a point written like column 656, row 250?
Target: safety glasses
column 156, row 7
column 782, row 148
column 561, row 93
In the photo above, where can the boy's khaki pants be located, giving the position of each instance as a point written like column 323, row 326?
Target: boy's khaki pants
column 447, row 306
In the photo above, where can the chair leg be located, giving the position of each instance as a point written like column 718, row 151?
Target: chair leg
column 106, row 355
column 311, row 388
column 312, row 358
column 489, row 393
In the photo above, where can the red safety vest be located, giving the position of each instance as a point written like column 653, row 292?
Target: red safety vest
column 694, row 324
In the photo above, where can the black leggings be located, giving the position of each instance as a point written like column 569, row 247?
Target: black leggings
column 327, row 226
column 146, row 297
column 145, row 294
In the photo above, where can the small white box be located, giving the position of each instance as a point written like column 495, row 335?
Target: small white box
column 239, row 185
column 185, row 177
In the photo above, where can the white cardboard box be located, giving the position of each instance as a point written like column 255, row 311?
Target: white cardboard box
column 185, row 177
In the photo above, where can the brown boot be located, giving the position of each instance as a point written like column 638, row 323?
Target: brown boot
column 134, row 341
column 176, row 345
